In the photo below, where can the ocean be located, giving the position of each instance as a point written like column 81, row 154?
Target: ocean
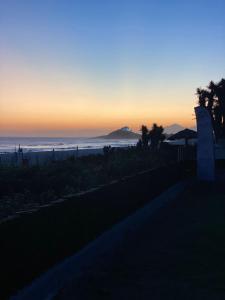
column 41, row 144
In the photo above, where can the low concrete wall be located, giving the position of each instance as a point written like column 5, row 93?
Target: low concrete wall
column 33, row 243
column 104, row 247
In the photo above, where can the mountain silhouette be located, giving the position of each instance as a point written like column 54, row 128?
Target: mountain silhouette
column 122, row 133
column 173, row 128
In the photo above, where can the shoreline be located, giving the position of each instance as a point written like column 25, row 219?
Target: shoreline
column 32, row 144
column 41, row 157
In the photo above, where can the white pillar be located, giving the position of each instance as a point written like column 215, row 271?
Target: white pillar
column 205, row 145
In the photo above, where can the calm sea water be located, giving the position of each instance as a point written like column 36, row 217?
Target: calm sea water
column 34, row 144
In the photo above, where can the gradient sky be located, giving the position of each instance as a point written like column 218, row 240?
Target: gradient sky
column 84, row 67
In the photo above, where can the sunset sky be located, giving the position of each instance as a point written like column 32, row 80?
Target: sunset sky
column 85, row 67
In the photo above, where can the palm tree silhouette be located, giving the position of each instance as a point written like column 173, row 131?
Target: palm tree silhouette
column 144, row 136
column 213, row 98
column 156, row 136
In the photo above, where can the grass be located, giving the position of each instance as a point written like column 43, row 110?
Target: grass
column 27, row 188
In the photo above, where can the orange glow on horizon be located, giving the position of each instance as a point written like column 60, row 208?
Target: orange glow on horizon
column 70, row 104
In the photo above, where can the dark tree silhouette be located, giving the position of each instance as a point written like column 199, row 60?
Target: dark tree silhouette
column 144, row 136
column 156, row 136
column 213, row 99
column 151, row 138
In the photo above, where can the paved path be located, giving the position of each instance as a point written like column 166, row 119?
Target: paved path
column 103, row 249
column 172, row 257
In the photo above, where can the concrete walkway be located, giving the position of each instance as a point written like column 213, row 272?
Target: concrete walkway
column 173, row 248
column 177, row 254
column 103, row 249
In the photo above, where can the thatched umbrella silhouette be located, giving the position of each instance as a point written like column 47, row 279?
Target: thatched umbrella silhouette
column 185, row 134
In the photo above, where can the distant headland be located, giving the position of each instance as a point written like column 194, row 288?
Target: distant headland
column 126, row 133
column 122, row 133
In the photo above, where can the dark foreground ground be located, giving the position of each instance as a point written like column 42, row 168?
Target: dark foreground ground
column 34, row 242
column 179, row 254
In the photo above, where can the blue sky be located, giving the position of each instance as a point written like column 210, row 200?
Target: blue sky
column 140, row 56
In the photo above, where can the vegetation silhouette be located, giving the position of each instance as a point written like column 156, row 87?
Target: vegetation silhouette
column 213, row 99
column 25, row 187
column 156, row 136
column 151, row 138
column 144, row 136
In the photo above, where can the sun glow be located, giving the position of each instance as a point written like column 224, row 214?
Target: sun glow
column 55, row 103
